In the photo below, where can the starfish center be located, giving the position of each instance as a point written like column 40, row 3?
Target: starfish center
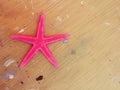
column 39, row 43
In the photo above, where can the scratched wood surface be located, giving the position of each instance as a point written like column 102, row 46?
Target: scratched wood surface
column 89, row 59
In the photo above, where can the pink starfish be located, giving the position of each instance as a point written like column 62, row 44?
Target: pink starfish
column 40, row 42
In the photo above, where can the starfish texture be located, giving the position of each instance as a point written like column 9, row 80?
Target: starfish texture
column 39, row 43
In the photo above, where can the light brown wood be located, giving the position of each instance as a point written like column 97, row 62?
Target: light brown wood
column 89, row 60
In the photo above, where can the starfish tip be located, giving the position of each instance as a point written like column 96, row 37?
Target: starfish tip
column 42, row 15
column 12, row 37
column 57, row 66
column 21, row 66
column 67, row 35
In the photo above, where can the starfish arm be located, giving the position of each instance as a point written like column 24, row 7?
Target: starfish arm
column 28, row 39
column 40, row 31
column 51, row 39
column 28, row 56
column 45, row 50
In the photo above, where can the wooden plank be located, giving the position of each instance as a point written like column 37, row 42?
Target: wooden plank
column 89, row 59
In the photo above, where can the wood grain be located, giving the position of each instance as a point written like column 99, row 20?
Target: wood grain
column 89, row 59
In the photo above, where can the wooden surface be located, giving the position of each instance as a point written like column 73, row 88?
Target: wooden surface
column 89, row 59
